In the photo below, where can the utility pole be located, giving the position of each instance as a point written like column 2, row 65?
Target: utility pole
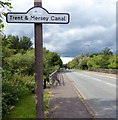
column 39, row 65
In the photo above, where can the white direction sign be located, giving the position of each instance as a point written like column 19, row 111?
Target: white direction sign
column 37, row 15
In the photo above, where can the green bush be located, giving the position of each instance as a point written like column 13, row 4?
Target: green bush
column 19, row 74
column 27, row 81
column 11, row 93
column 22, row 64
column 14, row 89
column 113, row 62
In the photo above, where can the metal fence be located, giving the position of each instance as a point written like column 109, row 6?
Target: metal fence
column 56, row 78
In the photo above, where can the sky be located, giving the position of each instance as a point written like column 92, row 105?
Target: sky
column 92, row 26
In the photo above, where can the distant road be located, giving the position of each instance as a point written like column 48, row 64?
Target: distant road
column 98, row 90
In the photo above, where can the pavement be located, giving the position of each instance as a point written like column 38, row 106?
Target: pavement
column 64, row 101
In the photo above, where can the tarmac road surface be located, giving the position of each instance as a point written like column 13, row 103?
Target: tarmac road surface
column 98, row 90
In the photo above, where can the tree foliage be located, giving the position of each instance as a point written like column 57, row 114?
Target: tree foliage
column 51, row 62
column 19, row 43
column 107, row 51
column 4, row 5
column 103, row 60
column 113, row 62
column 83, row 63
column 19, row 69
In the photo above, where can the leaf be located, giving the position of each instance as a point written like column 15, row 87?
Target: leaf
column 4, row 13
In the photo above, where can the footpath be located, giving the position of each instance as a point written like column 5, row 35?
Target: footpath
column 65, row 103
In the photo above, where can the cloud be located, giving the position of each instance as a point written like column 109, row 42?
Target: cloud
column 92, row 23
column 66, row 59
column 74, row 41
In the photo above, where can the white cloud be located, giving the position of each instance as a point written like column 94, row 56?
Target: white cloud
column 66, row 59
column 92, row 22
column 21, row 6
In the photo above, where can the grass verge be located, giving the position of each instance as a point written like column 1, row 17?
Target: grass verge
column 26, row 108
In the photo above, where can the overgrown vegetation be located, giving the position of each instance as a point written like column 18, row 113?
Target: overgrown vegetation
column 103, row 60
column 19, row 69
column 26, row 107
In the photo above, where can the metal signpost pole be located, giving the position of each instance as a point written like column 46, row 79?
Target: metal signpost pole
column 39, row 65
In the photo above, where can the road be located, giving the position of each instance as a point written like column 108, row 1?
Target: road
column 99, row 91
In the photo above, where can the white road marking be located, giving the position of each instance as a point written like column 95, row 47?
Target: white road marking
column 110, row 84
column 107, row 76
column 103, row 74
column 99, row 80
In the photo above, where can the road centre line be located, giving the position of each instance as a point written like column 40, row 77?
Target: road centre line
column 110, row 84
column 103, row 75
column 99, row 80
column 106, row 76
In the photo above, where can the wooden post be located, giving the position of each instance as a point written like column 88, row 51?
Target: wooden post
column 38, row 45
column 39, row 65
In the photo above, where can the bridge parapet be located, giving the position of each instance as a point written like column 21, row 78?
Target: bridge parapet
column 54, row 78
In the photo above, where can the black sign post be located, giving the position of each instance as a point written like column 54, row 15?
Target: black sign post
column 38, row 15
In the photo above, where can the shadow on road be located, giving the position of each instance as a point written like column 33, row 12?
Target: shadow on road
column 103, row 108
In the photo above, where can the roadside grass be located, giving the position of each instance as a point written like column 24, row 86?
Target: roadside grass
column 47, row 95
column 26, row 108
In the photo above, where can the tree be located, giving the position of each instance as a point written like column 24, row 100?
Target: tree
column 21, row 64
column 83, row 63
column 25, row 43
column 14, row 42
column 73, row 64
column 113, row 62
column 19, row 43
column 18, row 75
column 79, row 62
column 99, row 61
column 51, row 62
column 54, row 59
column 107, row 51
